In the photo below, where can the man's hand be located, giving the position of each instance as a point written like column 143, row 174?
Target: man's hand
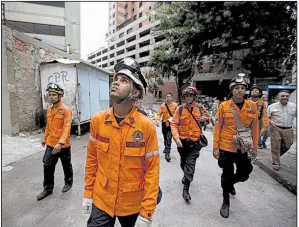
column 262, row 132
column 43, row 142
column 57, row 148
column 216, row 153
column 157, row 123
column 178, row 142
column 272, row 123
column 87, row 203
column 143, row 222
column 203, row 118
column 254, row 154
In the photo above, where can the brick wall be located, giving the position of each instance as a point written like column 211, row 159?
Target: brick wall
column 23, row 56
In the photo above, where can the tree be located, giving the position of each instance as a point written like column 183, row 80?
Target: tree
column 217, row 29
column 169, row 62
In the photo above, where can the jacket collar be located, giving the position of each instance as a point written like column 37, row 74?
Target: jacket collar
column 130, row 119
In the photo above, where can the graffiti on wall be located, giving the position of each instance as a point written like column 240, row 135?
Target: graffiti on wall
column 57, row 77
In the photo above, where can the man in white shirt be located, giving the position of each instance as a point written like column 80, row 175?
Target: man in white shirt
column 281, row 115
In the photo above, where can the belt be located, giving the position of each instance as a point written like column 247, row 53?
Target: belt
column 283, row 127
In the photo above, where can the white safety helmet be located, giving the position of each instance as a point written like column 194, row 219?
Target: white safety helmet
column 241, row 79
column 129, row 67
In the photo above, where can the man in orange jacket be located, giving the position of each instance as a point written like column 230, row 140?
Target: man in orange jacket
column 256, row 94
column 224, row 131
column 186, row 132
column 58, row 140
column 166, row 111
column 123, row 161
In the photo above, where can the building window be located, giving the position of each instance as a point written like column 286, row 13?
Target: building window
column 113, row 14
column 140, row 25
column 121, row 35
column 133, row 10
column 150, row 8
column 126, row 6
column 129, row 30
column 140, row 4
column 149, row 19
column 113, row 6
column 160, row 94
column 140, row 14
column 113, row 22
column 113, row 30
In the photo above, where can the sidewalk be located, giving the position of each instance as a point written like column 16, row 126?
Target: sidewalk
column 288, row 167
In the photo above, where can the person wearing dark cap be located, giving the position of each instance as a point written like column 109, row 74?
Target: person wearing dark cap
column 255, row 96
column 281, row 115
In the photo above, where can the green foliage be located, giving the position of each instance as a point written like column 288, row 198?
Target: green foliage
column 216, row 29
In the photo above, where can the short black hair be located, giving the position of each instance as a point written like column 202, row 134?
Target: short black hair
column 286, row 91
column 169, row 93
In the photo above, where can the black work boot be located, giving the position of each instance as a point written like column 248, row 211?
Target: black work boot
column 43, row 195
column 186, row 194
column 167, row 157
column 224, row 210
column 66, row 187
column 233, row 191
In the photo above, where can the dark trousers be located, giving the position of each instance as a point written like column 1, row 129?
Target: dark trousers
column 99, row 218
column 50, row 161
column 188, row 154
column 166, row 131
column 229, row 177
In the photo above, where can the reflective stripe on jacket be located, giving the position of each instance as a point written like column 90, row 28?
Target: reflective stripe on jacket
column 225, row 126
column 58, row 129
column 122, row 164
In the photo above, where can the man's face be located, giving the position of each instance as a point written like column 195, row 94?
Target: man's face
column 239, row 91
column 53, row 97
column 264, row 98
column 283, row 97
column 189, row 98
column 255, row 93
column 121, row 87
column 169, row 98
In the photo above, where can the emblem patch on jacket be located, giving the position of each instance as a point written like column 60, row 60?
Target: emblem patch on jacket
column 137, row 136
column 60, row 111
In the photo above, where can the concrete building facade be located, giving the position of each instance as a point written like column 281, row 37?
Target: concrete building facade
column 57, row 23
column 129, row 35
column 21, row 85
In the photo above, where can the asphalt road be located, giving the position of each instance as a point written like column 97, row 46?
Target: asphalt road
column 260, row 201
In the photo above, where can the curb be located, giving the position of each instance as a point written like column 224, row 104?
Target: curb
column 271, row 172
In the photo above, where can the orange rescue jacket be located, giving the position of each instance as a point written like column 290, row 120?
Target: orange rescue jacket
column 262, row 113
column 225, row 126
column 58, row 129
column 165, row 113
column 184, row 126
column 122, row 164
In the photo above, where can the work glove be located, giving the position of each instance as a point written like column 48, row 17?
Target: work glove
column 216, row 153
column 143, row 222
column 87, row 203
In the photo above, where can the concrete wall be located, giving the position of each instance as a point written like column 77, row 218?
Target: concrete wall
column 21, row 85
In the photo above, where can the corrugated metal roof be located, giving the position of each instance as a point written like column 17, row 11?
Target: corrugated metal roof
column 70, row 61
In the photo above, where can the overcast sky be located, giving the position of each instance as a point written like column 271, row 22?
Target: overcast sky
column 94, row 26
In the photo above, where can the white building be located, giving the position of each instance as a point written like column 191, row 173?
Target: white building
column 129, row 35
column 55, row 23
